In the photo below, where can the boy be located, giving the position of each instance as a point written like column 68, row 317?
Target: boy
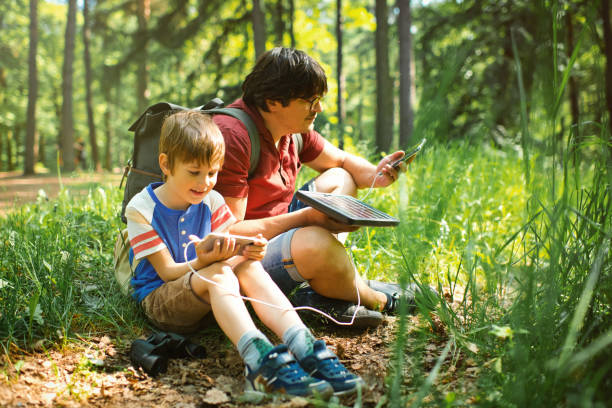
column 165, row 217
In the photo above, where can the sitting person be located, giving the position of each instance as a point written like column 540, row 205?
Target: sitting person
column 283, row 95
column 164, row 219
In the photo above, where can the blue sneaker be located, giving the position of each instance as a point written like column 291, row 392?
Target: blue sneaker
column 324, row 365
column 279, row 372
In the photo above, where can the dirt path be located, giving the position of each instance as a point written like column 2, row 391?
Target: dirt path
column 16, row 189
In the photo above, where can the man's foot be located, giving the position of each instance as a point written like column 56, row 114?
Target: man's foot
column 279, row 372
column 394, row 292
column 340, row 310
column 324, row 365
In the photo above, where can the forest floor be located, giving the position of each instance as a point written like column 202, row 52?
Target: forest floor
column 95, row 369
column 97, row 372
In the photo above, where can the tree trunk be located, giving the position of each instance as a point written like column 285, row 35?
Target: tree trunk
column 279, row 26
column 10, row 136
column 30, row 143
column 57, row 105
column 67, row 127
column 3, row 135
column 42, row 151
column 340, row 76
column 144, row 12
column 406, row 68
column 291, row 19
column 109, row 79
column 607, row 36
column 93, row 141
column 384, row 88
column 259, row 28
column 573, row 86
column 108, row 128
column 361, row 78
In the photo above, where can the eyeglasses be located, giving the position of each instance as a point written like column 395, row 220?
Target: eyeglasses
column 313, row 102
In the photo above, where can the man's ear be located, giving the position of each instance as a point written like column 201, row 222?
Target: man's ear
column 273, row 105
column 163, row 164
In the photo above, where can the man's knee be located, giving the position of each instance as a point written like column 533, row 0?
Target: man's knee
column 315, row 250
column 336, row 180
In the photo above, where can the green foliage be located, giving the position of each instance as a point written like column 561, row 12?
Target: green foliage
column 463, row 58
column 56, row 270
column 531, row 277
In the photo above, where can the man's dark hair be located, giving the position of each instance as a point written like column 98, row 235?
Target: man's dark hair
column 282, row 74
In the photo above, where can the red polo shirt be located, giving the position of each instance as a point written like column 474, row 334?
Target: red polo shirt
column 272, row 185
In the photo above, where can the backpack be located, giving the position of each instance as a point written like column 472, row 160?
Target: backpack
column 143, row 166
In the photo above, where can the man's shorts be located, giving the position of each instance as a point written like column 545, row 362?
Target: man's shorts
column 278, row 261
column 175, row 307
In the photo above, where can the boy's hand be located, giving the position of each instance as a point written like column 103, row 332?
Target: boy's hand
column 257, row 250
column 222, row 249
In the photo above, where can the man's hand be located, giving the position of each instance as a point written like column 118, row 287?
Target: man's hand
column 222, row 249
column 317, row 218
column 257, row 250
column 387, row 174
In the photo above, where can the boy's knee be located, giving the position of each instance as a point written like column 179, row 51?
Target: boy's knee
column 221, row 274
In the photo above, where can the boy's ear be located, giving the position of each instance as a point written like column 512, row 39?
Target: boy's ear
column 163, row 164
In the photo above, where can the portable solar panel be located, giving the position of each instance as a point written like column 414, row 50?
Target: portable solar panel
column 346, row 209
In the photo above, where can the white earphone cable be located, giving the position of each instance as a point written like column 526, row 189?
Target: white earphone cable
column 276, row 306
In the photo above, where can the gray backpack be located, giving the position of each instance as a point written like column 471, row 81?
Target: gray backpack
column 143, row 167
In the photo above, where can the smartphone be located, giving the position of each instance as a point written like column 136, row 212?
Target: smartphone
column 210, row 239
column 409, row 156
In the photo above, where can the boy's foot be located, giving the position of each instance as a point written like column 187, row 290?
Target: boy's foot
column 324, row 365
column 279, row 372
column 340, row 310
column 394, row 292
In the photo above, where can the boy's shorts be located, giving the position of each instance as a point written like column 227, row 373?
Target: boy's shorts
column 278, row 261
column 175, row 307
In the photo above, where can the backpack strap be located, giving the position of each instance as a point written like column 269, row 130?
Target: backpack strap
column 253, row 133
column 299, row 141
column 251, row 129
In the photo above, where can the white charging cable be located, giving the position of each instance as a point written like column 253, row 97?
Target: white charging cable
column 380, row 173
column 298, row 307
column 276, row 306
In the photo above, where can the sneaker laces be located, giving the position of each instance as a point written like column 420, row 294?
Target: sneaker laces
column 333, row 367
column 292, row 373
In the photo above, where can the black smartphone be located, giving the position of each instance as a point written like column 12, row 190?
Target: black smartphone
column 409, row 156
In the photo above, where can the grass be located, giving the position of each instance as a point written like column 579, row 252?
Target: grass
column 56, row 271
column 533, row 277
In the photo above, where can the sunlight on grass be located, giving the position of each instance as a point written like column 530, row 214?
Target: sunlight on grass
column 56, row 269
column 516, row 304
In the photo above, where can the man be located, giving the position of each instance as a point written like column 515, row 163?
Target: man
column 283, row 96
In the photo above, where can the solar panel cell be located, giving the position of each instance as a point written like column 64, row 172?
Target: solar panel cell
column 346, row 209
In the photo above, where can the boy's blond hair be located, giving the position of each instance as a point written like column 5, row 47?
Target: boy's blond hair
column 191, row 136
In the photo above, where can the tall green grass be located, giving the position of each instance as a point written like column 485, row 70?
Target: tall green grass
column 532, row 276
column 523, row 242
column 56, row 277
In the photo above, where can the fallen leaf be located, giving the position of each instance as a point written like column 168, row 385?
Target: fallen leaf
column 215, row 396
